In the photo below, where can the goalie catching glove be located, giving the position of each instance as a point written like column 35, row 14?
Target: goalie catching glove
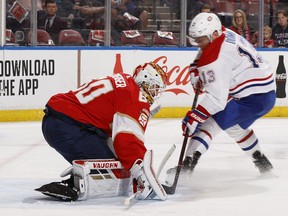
column 145, row 182
column 194, row 119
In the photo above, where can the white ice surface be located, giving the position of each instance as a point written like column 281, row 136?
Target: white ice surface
column 225, row 182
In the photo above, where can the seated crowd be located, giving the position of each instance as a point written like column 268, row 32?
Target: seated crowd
column 86, row 17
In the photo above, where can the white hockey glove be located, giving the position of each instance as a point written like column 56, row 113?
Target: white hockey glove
column 194, row 73
column 140, row 182
column 145, row 182
column 194, row 78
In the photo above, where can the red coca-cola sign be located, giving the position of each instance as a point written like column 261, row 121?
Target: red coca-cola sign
column 175, row 76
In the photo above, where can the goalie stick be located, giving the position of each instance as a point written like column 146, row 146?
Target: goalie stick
column 131, row 199
column 171, row 189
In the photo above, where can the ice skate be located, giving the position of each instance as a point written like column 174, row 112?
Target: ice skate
column 188, row 164
column 63, row 190
column 262, row 162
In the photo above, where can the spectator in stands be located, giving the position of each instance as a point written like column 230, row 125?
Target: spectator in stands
column 267, row 38
column 27, row 4
column 52, row 23
column 139, row 18
column 193, row 8
column 140, row 13
column 240, row 25
column 13, row 24
column 281, row 4
column 280, row 30
column 89, row 13
column 206, row 8
column 203, row 8
column 70, row 7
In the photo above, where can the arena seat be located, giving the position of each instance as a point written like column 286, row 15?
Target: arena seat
column 10, row 37
column 97, row 38
column 133, row 38
column 70, row 37
column 43, row 38
column 164, row 38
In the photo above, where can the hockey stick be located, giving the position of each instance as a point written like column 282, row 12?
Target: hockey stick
column 131, row 199
column 172, row 188
column 165, row 159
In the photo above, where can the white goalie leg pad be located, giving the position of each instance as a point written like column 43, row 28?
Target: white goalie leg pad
column 151, row 176
column 108, row 178
column 103, row 177
column 81, row 172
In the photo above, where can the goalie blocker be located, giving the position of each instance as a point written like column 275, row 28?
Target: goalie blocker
column 105, row 178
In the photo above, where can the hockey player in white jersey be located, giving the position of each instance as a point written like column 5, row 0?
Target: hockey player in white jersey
column 238, row 88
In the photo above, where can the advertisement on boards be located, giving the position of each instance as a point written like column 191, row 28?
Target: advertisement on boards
column 179, row 92
column 28, row 79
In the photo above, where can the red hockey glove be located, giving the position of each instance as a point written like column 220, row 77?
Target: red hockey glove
column 194, row 119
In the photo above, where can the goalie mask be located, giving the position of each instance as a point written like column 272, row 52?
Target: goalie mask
column 151, row 79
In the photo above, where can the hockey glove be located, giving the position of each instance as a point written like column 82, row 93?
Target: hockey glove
column 194, row 119
column 194, row 73
column 145, row 183
column 140, row 183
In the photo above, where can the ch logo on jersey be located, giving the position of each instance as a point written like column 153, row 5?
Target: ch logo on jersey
column 143, row 119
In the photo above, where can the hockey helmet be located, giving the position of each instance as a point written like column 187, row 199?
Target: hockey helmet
column 205, row 24
column 151, row 79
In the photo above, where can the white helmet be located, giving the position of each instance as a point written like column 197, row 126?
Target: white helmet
column 151, row 79
column 205, row 24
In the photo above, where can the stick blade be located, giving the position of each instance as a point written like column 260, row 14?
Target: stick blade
column 169, row 190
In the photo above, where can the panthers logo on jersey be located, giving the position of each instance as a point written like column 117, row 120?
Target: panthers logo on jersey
column 143, row 118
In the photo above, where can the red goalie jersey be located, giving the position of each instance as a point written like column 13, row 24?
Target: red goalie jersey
column 114, row 104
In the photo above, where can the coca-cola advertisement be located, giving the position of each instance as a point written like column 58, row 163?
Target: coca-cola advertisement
column 178, row 90
column 27, row 75
column 281, row 78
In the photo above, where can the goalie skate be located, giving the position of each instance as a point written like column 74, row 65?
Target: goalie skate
column 59, row 190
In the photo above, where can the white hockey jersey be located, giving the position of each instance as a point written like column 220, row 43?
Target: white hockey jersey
column 231, row 67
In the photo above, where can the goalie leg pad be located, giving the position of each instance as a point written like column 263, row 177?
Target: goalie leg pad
column 151, row 176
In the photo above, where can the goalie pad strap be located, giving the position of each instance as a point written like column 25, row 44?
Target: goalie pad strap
column 151, row 177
